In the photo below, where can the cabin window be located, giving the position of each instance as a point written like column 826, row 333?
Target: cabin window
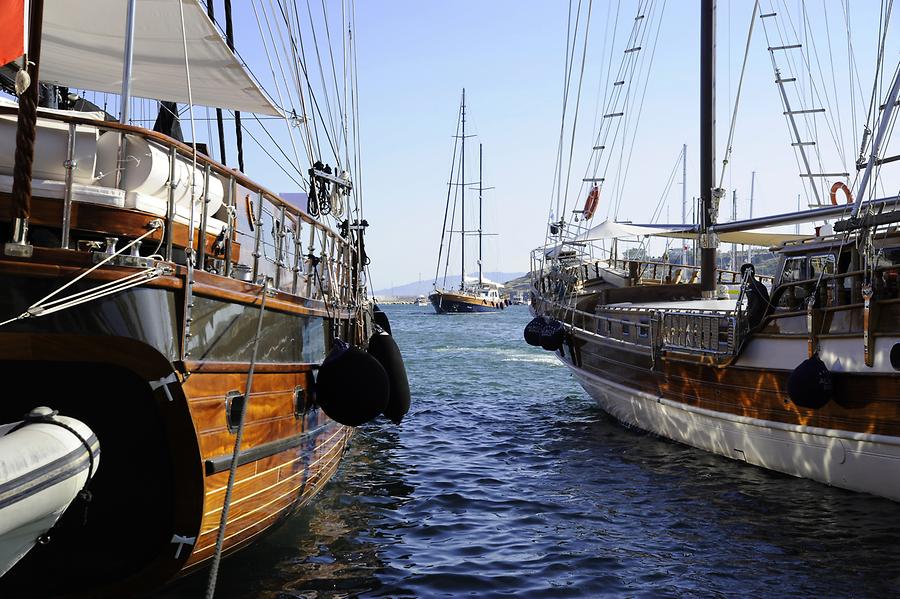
column 820, row 264
column 794, row 270
column 644, row 328
column 626, row 328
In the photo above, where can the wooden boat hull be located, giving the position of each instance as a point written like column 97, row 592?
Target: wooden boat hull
column 458, row 303
column 850, row 461
column 164, row 424
column 744, row 411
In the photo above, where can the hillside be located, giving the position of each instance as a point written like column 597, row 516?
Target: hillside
column 425, row 287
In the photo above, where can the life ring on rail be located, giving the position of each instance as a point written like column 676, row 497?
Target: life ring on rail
column 590, row 205
column 843, row 187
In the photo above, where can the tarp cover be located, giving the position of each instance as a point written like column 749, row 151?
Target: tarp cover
column 83, row 46
column 759, row 237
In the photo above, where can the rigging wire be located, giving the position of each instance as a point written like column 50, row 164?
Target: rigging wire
column 447, row 206
column 737, row 97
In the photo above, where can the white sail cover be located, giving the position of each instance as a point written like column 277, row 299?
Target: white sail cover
column 610, row 229
column 83, row 45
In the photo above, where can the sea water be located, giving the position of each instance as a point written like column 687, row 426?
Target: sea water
column 506, row 479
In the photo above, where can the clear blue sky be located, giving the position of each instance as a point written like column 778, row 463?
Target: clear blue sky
column 416, row 56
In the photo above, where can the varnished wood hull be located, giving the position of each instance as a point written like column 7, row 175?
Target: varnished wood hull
column 460, row 303
column 163, row 426
column 745, row 413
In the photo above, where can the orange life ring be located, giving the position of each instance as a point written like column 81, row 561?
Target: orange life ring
column 590, row 205
column 842, row 186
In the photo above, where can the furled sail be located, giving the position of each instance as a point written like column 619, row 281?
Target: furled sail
column 83, row 46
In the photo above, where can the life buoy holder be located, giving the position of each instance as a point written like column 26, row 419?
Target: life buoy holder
column 590, row 205
column 840, row 185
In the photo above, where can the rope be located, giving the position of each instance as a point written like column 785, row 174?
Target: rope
column 447, row 206
column 82, row 297
column 26, row 130
column 737, row 98
column 223, row 520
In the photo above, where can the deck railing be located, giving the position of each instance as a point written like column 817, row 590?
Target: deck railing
column 302, row 255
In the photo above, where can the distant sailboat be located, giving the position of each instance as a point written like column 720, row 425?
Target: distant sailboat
column 475, row 294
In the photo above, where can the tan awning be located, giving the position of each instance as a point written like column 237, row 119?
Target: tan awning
column 83, row 45
column 757, row 237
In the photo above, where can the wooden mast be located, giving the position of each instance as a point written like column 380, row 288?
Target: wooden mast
column 26, row 130
column 708, row 241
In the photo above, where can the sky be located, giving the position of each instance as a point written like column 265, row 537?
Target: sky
column 415, row 57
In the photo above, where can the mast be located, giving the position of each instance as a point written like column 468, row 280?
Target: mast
column 211, row 11
column 733, row 218
column 752, row 190
column 480, row 192
column 709, row 208
column 684, row 245
column 238, row 132
column 684, row 184
column 462, row 232
column 127, row 62
column 26, row 131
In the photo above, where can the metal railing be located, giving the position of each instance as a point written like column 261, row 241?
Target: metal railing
column 302, row 255
column 707, row 332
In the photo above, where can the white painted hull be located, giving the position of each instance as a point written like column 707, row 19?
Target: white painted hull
column 855, row 461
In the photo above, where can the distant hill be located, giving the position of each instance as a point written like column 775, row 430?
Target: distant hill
column 522, row 283
column 425, row 287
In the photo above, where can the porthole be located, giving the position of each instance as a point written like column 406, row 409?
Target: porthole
column 234, row 406
column 300, row 406
column 895, row 356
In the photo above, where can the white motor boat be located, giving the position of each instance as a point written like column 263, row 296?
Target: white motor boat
column 46, row 462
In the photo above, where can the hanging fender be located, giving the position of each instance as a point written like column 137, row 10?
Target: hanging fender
column 840, row 185
column 532, row 332
column 590, row 205
column 553, row 335
column 381, row 319
column 810, row 384
column 352, row 387
column 384, row 349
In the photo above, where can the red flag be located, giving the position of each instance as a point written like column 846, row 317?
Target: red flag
column 12, row 30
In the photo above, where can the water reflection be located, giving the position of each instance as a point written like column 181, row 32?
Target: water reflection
column 506, row 479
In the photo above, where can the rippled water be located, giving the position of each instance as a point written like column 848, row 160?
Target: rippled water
column 506, row 479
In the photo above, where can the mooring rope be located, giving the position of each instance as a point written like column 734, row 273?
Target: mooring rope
column 43, row 307
column 220, row 538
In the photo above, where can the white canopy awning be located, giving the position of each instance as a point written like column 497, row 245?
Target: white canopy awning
column 759, row 237
column 83, row 45
column 612, row 230
column 484, row 281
